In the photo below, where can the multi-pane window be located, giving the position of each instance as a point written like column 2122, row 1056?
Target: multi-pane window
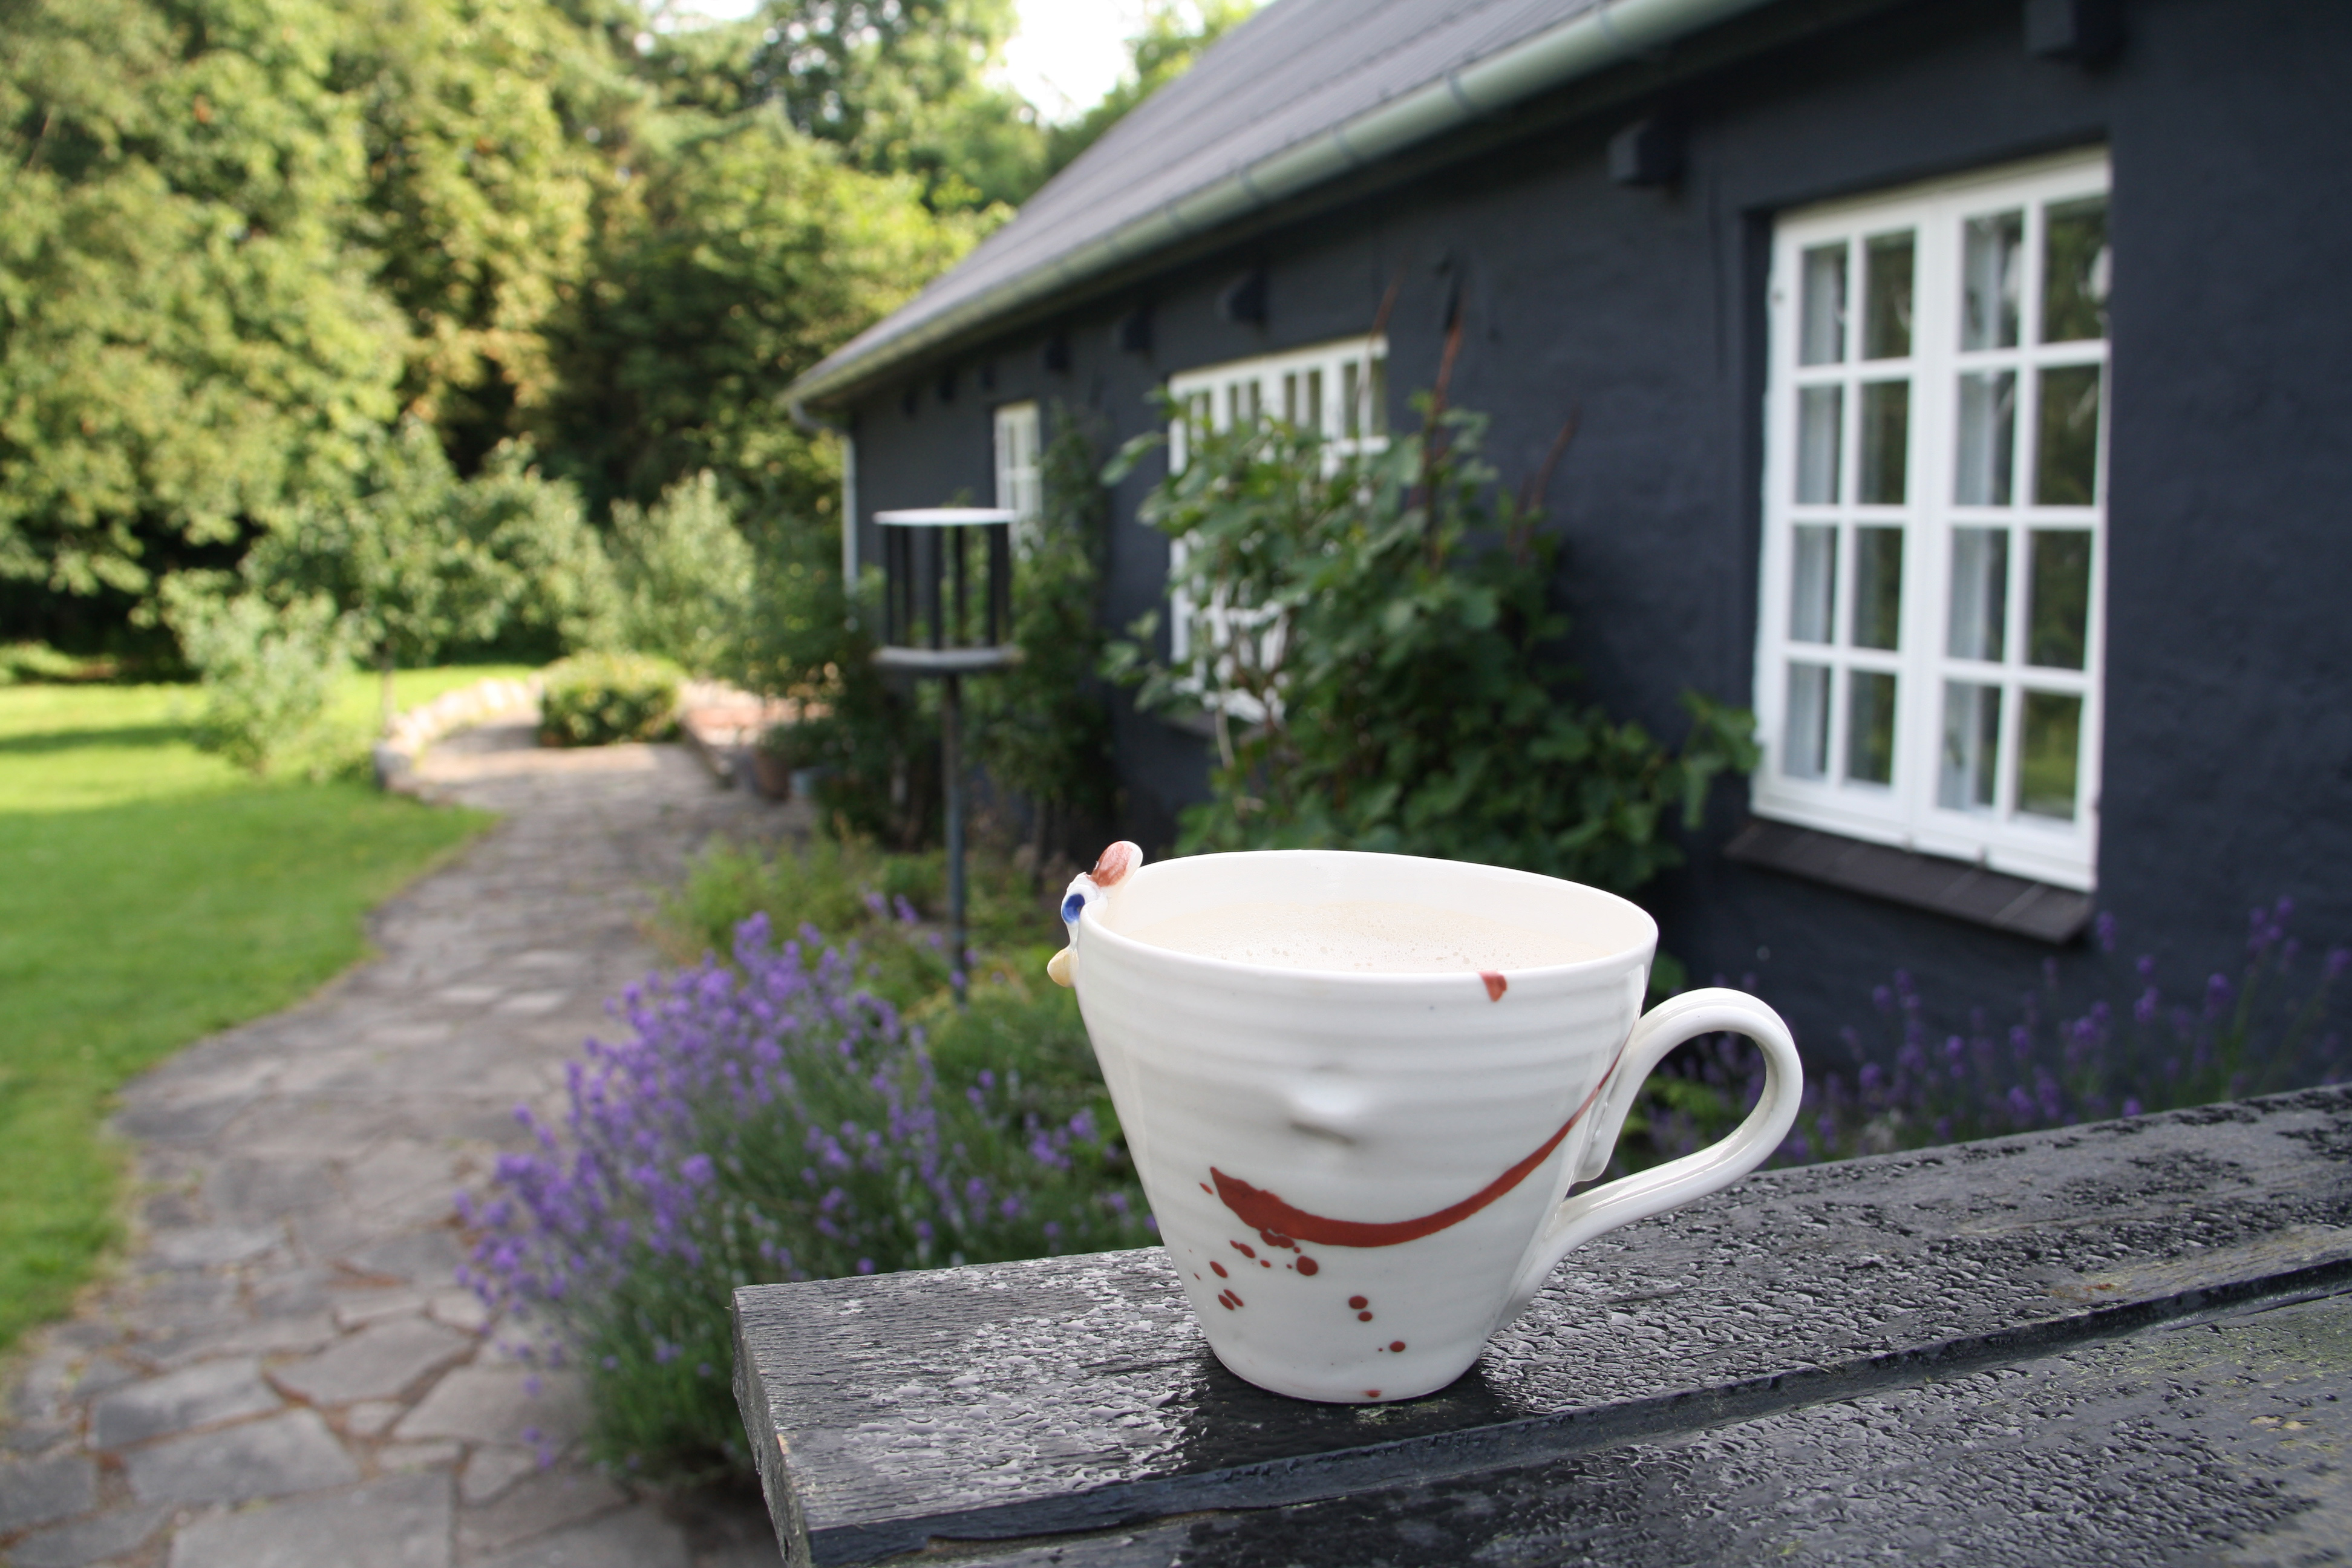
column 1339, row 389
column 1928, row 655
column 1020, row 482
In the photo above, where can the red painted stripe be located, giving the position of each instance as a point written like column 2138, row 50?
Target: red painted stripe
column 1261, row 1210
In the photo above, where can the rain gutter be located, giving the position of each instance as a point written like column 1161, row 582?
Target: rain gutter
column 1611, row 32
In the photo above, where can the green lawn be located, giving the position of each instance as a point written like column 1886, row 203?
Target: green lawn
column 149, row 895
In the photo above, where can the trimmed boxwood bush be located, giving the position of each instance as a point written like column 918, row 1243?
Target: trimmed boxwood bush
column 599, row 699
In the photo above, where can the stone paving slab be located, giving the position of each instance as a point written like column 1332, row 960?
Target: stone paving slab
column 42, row 1490
column 399, row 1523
column 198, row 1396
column 285, row 1370
column 508, row 1405
column 98, row 1539
column 379, row 1363
column 633, row 1540
column 545, row 1501
column 274, row 1457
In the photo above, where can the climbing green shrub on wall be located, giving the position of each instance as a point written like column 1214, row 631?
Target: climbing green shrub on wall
column 1383, row 667
column 1042, row 727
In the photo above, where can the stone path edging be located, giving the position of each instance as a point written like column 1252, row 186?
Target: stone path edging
column 491, row 701
column 720, row 722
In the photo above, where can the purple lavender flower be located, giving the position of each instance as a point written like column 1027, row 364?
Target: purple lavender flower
column 762, row 1118
column 2218, row 991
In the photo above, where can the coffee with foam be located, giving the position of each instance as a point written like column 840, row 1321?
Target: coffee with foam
column 1363, row 936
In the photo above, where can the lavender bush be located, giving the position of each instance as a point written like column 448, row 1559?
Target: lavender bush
column 770, row 1120
column 2264, row 1031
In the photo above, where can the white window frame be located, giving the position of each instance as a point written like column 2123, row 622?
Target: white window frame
column 1310, row 388
column 1307, row 386
column 1020, row 465
column 1907, row 811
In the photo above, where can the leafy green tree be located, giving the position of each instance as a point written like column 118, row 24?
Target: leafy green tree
column 490, row 126
column 185, row 338
column 242, row 236
column 741, row 254
column 902, row 86
column 245, row 237
column 398, row 559
column 1170, row 41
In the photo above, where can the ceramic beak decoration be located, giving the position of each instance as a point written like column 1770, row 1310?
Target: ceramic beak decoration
column 1085, row 888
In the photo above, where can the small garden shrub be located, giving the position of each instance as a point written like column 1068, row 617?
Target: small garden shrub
column 561, row 593
column 771, row 1119
column 423, row 562
column 888, row 903
column 600, row 699
column 2265, row 1031
column 270, row 671
column 873, row 736
column 876, row 746
column 786, row 744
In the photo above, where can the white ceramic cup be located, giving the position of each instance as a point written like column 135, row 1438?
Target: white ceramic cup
column 1361, row 1176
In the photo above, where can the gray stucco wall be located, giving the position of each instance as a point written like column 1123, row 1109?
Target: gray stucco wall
column 2229, row 743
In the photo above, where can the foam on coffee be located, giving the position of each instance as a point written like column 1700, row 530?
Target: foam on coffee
column 1362, row 936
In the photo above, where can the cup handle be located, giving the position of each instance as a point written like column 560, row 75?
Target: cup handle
column 1622, row 1201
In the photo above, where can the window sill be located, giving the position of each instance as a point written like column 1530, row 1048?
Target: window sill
column 1953, row 888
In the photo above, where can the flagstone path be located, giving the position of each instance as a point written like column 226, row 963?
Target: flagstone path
column 285, row 1373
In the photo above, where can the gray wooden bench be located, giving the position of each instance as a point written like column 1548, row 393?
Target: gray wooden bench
column 2129, row 1342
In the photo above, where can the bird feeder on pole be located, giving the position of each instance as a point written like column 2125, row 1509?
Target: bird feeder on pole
column 946, row 612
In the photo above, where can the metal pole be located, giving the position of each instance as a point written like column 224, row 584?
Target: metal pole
column 951, row 763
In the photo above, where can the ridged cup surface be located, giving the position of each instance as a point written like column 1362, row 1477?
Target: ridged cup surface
column 1356, row 1100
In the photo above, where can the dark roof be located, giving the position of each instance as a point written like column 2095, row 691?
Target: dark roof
column 1300, row 93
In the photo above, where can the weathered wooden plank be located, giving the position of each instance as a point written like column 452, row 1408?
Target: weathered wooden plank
column 1073, row 1394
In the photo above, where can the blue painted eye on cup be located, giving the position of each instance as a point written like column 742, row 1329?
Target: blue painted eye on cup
column 1073, row 907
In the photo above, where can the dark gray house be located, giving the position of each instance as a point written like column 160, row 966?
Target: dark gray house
column 1967, row 385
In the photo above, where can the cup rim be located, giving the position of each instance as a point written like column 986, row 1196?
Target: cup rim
column 1120, row 941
